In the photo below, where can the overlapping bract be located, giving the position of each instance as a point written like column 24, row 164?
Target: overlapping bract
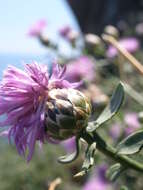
column 67, row 113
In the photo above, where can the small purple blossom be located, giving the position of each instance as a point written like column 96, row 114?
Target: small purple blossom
column 98, row 181
column 101, row 172
column 37, row 28
column 23, row 95
column 130, row 44
column 80, row 68
column 64, row 31
column 115, row 131
column 69, row 34
column 131, row 120
column 95, row 184
column 69, row 145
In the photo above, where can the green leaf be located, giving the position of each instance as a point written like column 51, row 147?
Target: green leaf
column 89, row 157
column 111, row 109
column 88, row 161
column 114, row 171
column 124, row 188
column 71, row 157
column 132, row 144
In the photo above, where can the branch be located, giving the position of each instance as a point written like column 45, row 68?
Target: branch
column 54, row 184
column 132, row 60
column 111, row 152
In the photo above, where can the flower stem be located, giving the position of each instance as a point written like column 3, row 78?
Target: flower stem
column 55, row 183
column 111, row 152
column 132, row 60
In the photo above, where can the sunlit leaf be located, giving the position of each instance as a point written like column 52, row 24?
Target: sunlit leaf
column 132, row 144
column 111, row 109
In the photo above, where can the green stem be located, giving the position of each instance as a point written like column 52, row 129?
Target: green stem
column 111, row 152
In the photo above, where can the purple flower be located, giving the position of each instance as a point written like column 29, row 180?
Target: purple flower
column 81, row 68
column 131, row 120
column 95, row 184
column 23, row 95
column 98, row 181
column 69, row 34
column 130, row 44
column 115, row 131
column 37, row 28
column 64, row 31
column 69, row 145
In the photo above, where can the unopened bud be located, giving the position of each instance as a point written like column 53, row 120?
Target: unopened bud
column 72, row 36
column 92, row 40
column 67, row 113
column 112, row 31
column 94, row 44
column 45, row 40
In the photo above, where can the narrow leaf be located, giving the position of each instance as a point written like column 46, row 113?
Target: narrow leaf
column 132, row 144
column 80, row 174
column 71, row 157
column 89, row 157
column 111, row 109
column 88, row 161
column 114, row 172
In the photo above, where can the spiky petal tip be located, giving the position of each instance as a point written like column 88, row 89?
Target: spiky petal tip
column 23, row 95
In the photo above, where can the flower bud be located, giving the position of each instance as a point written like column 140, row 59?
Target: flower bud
column 67, row 113
column 112, row 31
column 45, row 40
column 73, row 36
column 94, row 44
column 92, row 40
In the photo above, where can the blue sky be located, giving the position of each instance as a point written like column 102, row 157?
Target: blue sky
column 17, row 16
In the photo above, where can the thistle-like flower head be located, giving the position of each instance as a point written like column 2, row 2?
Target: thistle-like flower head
column 37, row 28
column 67, row 112
column 23, row 101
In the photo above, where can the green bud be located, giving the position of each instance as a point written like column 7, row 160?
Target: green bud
column 67, row 113
column 94, row 44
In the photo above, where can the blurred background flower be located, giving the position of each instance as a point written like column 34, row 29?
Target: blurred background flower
column 98, row 181
column 37, row 29
column 64, row 31
column 82, row 68
column 132, row 122
column 69, row 145
column 115, row 131
column 130, row 44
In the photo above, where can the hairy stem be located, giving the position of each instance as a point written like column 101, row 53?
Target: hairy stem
column 111, row 152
